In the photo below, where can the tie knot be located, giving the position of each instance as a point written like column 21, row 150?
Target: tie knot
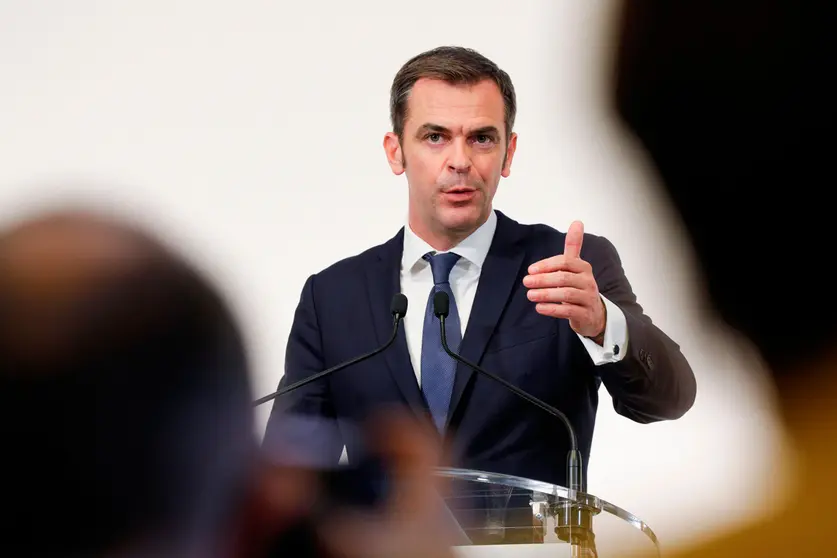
column 441, row 264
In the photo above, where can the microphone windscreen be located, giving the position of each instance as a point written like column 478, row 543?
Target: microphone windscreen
column 398, row 306
column 441, row 304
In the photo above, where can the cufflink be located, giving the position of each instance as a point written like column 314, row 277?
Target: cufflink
column 615, row 350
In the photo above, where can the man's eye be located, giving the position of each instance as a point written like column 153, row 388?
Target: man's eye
column 483, row 138
column 434, row 137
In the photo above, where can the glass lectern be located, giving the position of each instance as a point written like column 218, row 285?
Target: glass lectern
column 502, row 515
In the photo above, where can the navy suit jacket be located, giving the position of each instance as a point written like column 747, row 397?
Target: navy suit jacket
column 344, row 311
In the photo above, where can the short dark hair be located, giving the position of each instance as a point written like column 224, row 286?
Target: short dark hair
column 456, row 66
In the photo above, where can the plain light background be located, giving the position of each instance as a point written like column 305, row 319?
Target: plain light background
column 250, row 134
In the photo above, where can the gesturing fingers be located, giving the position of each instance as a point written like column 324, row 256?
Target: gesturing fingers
column 560, row 263
column 573, row 240
column 582, row 281
column 572, row 312
column 560, row 295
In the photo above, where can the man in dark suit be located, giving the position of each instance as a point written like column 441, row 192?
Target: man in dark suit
column 551, row 312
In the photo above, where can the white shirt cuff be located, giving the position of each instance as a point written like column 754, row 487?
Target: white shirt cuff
column 615, row 345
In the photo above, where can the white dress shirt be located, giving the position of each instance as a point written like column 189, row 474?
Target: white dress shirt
column 417, row 282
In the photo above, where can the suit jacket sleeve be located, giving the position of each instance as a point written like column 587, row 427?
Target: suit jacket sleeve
column 653, row 381
column 303, row 428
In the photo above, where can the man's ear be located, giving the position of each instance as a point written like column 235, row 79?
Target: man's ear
column 395, row 155
column 507, row 162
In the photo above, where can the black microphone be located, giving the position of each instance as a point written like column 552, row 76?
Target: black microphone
column 398, row 307
column 441, row 307
column 574, row 522
column 367, row 483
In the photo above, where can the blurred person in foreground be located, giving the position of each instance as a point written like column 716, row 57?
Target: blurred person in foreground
column 735, row 103
column 126, row 414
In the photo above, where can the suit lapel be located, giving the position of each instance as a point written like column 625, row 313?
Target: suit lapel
column 383, row 281
column 498, row 278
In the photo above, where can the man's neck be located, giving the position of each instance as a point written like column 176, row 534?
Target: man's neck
column 442, row 240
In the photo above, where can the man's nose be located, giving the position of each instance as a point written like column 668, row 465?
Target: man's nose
column 459, row 160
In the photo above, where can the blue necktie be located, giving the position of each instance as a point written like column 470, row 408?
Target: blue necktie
column 437, row 367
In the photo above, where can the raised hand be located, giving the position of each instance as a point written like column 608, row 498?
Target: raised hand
column 563, row 286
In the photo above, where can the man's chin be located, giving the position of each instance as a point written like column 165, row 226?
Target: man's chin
column 462, row 219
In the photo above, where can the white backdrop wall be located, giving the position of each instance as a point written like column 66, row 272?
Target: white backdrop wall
column 250, row 134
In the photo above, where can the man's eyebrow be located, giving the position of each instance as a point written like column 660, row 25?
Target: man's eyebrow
column 486, row 131
column 438, row 129
column 432, row 128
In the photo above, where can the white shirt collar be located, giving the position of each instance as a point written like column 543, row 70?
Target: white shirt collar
column 474, row 248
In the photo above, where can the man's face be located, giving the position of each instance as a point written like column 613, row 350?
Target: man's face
column 453, row 151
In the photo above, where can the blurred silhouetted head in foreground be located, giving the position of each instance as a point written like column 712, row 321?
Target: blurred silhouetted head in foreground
column 735, row 103
column 125, row 412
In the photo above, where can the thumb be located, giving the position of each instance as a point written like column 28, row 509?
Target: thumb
column 572, row 243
